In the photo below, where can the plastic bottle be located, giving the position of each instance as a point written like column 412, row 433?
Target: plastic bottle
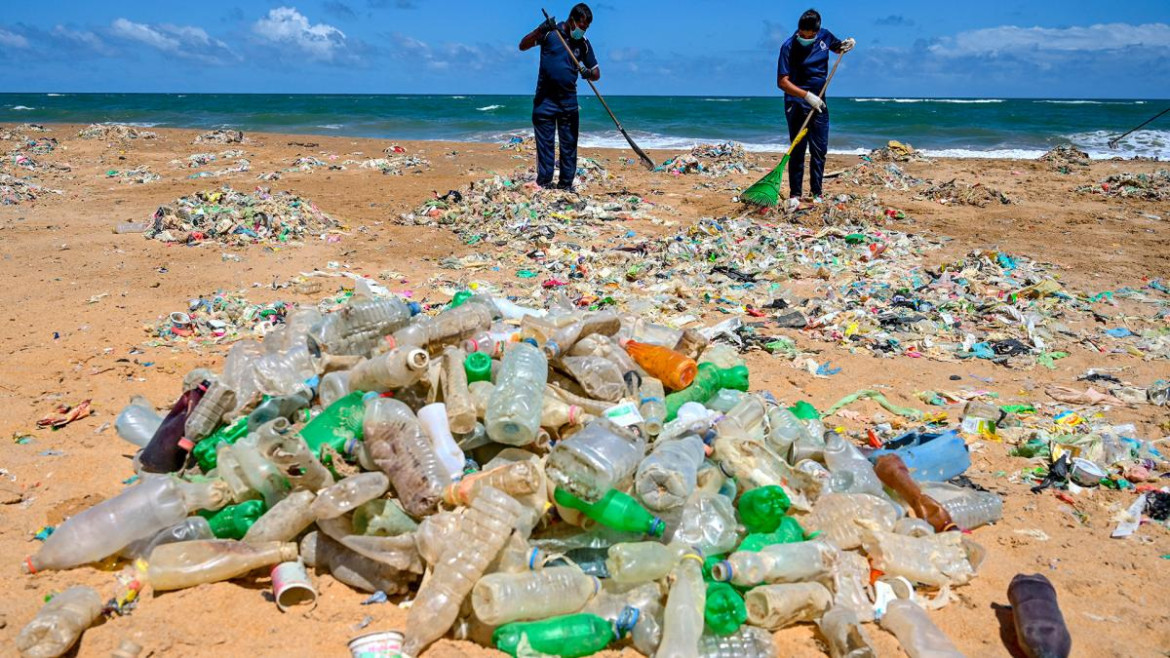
column 747, row 642
column 513, row 412
column 557, row 414
column 348, row 494
column 340, row 423
column 59, row 623
column 935, row 560
column 434, row 419
column 460, row 408
column 285, row 520
column 836, row 515
column 724, row 610
column 138, row 512
column 709, row 379
column 233, row 521
column 485, row 530
column 745, row 419
column 850, row 584
column 896, row 476
column 844, row 634
column 291, row 456
column 333, row 387
column 784, row 429
column 137, row 421
column 667, row 476
column 563, row 338
column 600, row 457
column 394, row 370
column 500, row 598
column 599, row 377
column 778, row 563
column 761, row 509
column 191, row 563
column 205, row 452
column 192, row 527
column 722, row 355
column 644, row 561
column 325, row 554
column 636, row 612
column 281, row 406
column 674, row 370
column 778, row 606
column 725, row 400
column 519, row 478
column 450, row 327
column 851, row 471
column 249, row 473
column 360, row 325
column 1040, row 626
column 919, row 637
column 397, row 444
column 652, row 405
column 208, row 415
column 683, row 621
column 167, row 449
column 477, row 366
column 615, row 510
column 787, row 532
column 571, row 636
column 968, row 508
column 708, row 523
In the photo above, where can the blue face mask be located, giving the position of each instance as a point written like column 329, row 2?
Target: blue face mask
column 577, row 33
column 805, row 42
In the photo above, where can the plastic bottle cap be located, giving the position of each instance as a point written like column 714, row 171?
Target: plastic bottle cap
column 414, row 307
column 657, row 527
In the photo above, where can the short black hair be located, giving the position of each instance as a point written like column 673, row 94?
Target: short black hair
column 582, row 13
column 810, row 21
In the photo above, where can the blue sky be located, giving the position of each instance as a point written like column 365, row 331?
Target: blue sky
column 1043, row 48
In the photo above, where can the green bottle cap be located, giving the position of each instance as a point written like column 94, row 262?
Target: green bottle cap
column 761, row 509
column 804, row 411
column 724, row 610
column 478, row 367
column 734, row 378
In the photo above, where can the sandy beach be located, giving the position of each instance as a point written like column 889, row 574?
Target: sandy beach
column 80, row 303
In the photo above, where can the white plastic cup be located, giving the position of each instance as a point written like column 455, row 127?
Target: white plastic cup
column 438, row 427
column 291, row 586
column 383, row 644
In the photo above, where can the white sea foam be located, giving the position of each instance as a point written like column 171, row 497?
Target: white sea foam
column 23, row 107
column 954, row 101
column 1148, row 143
column 54, row 95
column 331, row 126
column 489, row 108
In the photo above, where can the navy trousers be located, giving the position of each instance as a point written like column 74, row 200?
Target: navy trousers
column 551, row 120
column 816, row 142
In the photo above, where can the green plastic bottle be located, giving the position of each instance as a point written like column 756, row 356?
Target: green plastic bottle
column 804, row 411
column 762, row 509
column 616, row 510
column 708, row 381
column 789, row 532
column 204, row 451
column 570, row 636
column 233, row 521
column 478, row 367
column 337, row 425
column 460, row 298
column 725, row 611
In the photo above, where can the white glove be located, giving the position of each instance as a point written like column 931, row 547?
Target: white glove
column 847, row 45
column 815, row 101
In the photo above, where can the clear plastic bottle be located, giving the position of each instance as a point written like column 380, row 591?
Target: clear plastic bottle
column 844, row 634
column 359, row 326
column 435, row 422
column 725, row 400
column 969, row 509
column 637, row 612
column 565, row 337
column 138, row 512
column 556, row 414
column 281, row 406
column 598, row 458
column 851, row 471
column 778, row 563
column 292, row 456
column 397, row 444
column 850, row 585
column 285, row 520
column 451, row 327
column 837, row 514
column 683, row 621
column 810, row 444
column 394, row 370
column 747, row 642
column 652, row 405
column 333, row 387
column 935, row 560
column 520, row 478
column 745, row 419
column 192, row 527
column 667, row 476
column 598, row 376
column 59, row 623
column 708, row 523
column 513, row 412
column 485, row 530
column 643, row 561
column 778, row 606
column 208, row 415
column 460, row 407
column 500, row 598
column 348, row 494
column 784, row 429
column 137, row 421
column 722, row 355
column 249, row 473
column 919, row 637
column 191, row 563
column 325, row 554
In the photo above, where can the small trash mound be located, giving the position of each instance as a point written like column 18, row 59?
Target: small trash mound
column 715, row 160
column 895, row 151
column 873, row 174
column 115, row 131
column 519, row 144
column 242, row 165
column 196, row 160
column 20, row 132
column 37, row 145
column 231, row 217
column 953, row 193
column 14, row 191
column 395, row 165
column 306, row 164
column 217, row 318
column 1127, row 185
column 1062, row 157
column 139, row 175
column 220, row 137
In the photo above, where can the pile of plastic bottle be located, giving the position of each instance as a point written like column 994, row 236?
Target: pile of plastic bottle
column 580, row 480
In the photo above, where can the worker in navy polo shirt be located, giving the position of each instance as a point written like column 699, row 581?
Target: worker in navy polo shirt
column 801, row 73
column 554, row 109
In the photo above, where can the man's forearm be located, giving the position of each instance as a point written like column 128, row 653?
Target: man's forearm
column 531, row 39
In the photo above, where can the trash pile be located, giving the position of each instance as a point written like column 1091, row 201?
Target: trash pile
column 115, row 131
column 394, row 165
column 37, row 145
column 231, row 217
column 307, row 163
column 1127, row 185
column 715, row 160
column 15, row 190
column 139, row 175
column 895, row 151
column 953, row 193
column 519, row 144
column 220, row 137
column 218, row 318
column 196, row 160
column 548, row 482
column 890, row 176
column 1065, row 156
column 19, row 133
column 242, row 165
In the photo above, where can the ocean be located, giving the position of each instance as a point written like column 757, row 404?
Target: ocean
column 955, row 127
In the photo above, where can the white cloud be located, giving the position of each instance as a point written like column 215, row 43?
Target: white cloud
column 12, row 40
column 289, row 27
column 1008, row 39
column 454, row 55
column 179, row 40
column 82, row 37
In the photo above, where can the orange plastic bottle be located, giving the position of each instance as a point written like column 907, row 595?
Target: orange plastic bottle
column 675, row 370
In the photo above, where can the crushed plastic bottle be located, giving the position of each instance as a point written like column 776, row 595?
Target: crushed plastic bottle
column 59, row 623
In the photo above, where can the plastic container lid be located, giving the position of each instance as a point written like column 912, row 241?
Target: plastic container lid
column 478, row 367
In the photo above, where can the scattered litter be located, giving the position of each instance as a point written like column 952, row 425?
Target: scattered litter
column 220, row 136
column 232, row 217
column 115, row 131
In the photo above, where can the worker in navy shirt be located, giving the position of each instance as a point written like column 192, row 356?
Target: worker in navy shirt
column 554, row 109
column 801, row 73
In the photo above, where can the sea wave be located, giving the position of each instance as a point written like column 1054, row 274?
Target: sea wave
column 726, row 100
column 54, row 95
column 22, row 107
column 489, row 108
column 1146, row 143
column 331, row 126
column 953, row 101
column 1089, row 102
